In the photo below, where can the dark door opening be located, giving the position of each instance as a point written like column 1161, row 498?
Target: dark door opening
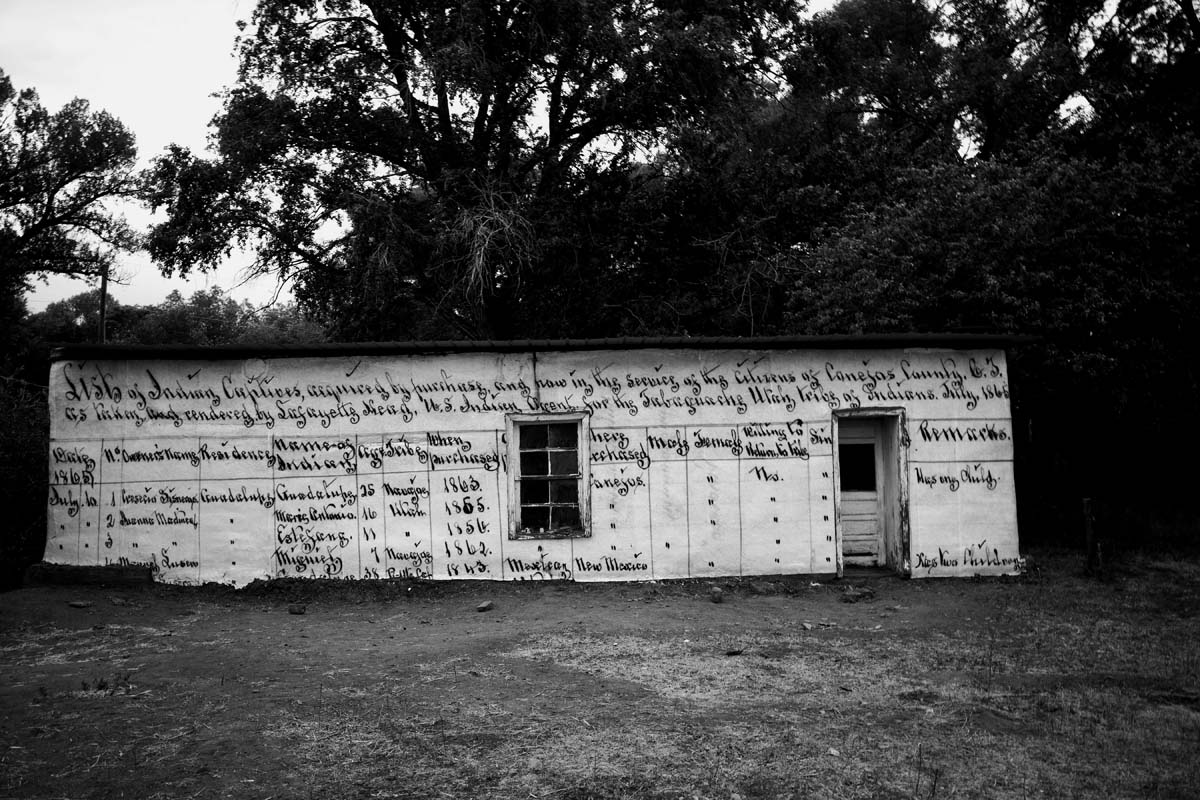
column 870, row 500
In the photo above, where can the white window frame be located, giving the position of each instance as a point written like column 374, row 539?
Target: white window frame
column 582, row 420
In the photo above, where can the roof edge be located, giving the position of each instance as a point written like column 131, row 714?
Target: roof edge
column 70, row 352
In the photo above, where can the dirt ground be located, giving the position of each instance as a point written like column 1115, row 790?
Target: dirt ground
column 1052, row 685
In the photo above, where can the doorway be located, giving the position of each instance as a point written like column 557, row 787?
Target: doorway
column 871, row 501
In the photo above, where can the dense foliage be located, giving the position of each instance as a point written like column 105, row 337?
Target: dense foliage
column 450, row 169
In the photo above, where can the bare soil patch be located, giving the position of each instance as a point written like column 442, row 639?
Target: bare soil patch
column 1055, row 685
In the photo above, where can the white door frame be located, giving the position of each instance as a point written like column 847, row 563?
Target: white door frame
column 895, row 553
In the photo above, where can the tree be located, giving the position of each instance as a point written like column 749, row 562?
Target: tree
column 76, row 319
column 707, row 229
column 1080, row 228
column 888, row 107
column 214, row 318
column 208, row 317
column 1138, row 84
column 280, row 324
column 57, row 174
column 423, row 168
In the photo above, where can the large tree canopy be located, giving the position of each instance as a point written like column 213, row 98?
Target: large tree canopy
column 419, row 167
column 57, row 173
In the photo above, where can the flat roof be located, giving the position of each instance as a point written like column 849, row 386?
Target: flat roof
column 955, row 341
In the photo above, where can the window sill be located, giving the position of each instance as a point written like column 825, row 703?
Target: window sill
column 561, row 533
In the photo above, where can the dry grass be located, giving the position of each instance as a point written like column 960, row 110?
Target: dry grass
column 1065, row 687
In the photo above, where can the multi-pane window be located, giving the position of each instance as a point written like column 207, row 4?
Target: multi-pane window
column 549, row 496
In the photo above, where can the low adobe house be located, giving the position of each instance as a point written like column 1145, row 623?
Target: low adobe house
column 609, row 459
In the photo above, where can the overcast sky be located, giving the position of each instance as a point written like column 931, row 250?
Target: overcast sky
column 154, row 64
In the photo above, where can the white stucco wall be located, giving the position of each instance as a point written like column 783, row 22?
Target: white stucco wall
column 702, row 462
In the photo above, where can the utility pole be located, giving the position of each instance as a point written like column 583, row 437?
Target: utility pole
column 104, row 304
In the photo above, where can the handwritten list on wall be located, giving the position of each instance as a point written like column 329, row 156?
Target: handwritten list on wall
column 700, row 462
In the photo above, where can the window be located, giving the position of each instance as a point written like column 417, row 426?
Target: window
column 857, row 463
column 548, row 462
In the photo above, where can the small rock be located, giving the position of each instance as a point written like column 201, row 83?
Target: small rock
column 833, row 752
column 808, row 626
column 79, row 603
column 716, row 595
column 735, row 651
column 486, row 605
column 297, row 608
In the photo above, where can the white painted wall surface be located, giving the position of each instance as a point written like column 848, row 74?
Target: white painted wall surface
column 703, row 463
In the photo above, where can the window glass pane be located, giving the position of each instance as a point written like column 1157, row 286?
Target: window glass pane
column 562, row 435
column 563, row 462
column 535, row 517
column 857, row 463
column 564, row 491
column 566, row 516
column 548, row 479
column 535, row 491
column 533, row 437
column 533, row 463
